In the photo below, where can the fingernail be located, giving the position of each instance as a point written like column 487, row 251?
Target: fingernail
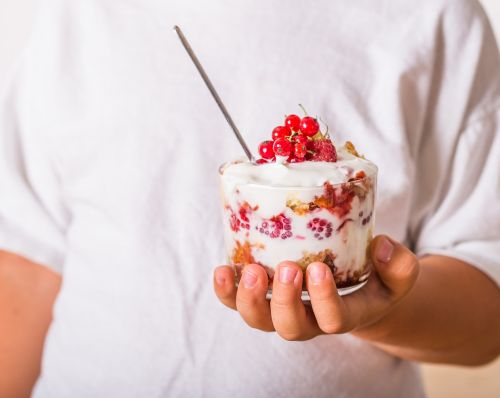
column 220, row 279
column 287, row 275
column 384, row 251
column 316, row 273
column 249, row 279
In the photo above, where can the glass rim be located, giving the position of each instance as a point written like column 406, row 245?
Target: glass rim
column 299, row 188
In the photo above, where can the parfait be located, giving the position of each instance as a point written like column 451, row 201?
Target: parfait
column 304, row 200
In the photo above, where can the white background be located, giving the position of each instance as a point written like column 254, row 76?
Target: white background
column 16, row 19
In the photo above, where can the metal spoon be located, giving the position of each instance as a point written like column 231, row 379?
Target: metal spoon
column 212, row 90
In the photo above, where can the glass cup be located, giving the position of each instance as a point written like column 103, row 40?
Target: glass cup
column 333, row 223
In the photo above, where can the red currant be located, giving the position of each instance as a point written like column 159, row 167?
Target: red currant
column 294, row 159
column 266, row 149
column 300, row 150
column 309, row 126
column 281, row 132
column 301, row 139
column 293, row 122
column 261, row 161
column 282, row 147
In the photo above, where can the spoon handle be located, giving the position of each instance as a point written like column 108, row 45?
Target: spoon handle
column 212, row 90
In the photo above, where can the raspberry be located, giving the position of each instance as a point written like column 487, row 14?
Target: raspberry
column 322, row 151
column 234, row 223
column 336, row 200
column 279, row 226
column 367, row 219
column 240, row 220
column 321, row 227
column 243, row 214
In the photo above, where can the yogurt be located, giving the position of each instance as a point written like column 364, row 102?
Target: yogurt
column 303, row 212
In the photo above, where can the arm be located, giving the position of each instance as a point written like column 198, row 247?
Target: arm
column 451, row 315
column 27, row 294
column 438, row 309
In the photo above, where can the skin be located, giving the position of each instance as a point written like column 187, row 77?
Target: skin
column 436, row 309
column 433, row 309
column 27, row 294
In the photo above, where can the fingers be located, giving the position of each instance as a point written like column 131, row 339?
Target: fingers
column 224, row 286
column 289, row 315
column 286, row 313
column 251, row 300
column 396, row 271
column 396, row 266
column 329, row 309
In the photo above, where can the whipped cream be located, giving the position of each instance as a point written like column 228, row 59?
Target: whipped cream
column 305, row 174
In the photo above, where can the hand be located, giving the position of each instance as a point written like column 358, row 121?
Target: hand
column 394, row 274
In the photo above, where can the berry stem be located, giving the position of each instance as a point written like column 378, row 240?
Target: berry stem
column 327, row 129
column 292, row 136
column 303, row 109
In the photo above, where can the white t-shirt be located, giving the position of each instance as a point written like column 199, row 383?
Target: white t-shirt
column 110, row 146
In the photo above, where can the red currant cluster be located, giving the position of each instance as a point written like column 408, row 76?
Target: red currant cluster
column 294, row 141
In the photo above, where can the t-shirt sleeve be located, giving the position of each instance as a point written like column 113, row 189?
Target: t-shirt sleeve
column 32, row 217
column 456, row 209
column 465, row 223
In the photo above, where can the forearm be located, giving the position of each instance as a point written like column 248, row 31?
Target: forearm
column 27, row 293
column 452, row 315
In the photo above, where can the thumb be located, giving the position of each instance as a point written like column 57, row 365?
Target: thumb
column 396, row 265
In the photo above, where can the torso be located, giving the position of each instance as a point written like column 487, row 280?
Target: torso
column 138, row 154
